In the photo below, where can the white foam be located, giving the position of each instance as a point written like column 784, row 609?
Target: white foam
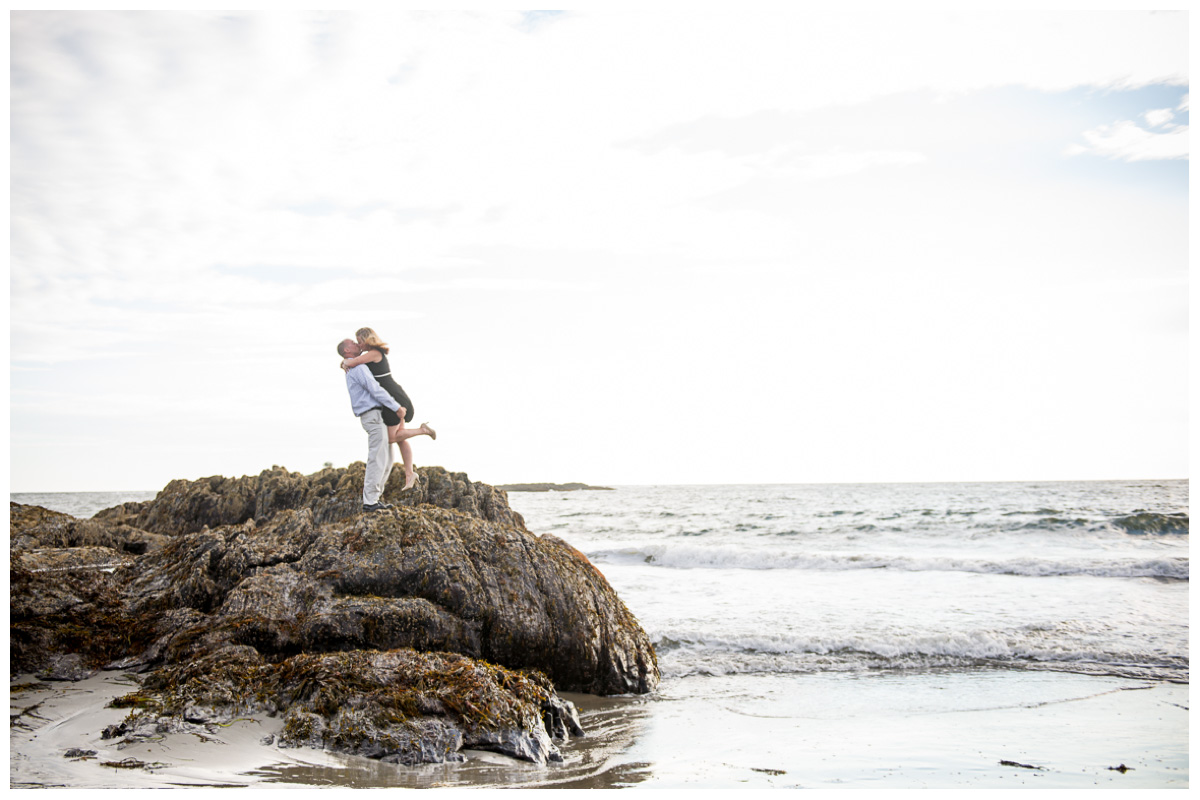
column 683, row 653
column 679, row 556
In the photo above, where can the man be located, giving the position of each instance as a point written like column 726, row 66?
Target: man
column 366, row 399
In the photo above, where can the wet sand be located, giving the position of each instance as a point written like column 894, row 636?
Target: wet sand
column 52, row 718
column 818, row 731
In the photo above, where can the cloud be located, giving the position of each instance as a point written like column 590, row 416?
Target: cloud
column 1158, row 117
column 1128, row 141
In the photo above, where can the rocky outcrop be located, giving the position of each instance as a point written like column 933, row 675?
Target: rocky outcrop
column 425, row 578
column 34, row 527
column 331, row 495
column 281, row 575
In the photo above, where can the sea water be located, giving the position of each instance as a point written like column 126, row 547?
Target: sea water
column 745, row 580
column 875, row 635
column 805, row 613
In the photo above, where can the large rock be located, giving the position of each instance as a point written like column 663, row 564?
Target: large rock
column 425, row 578
column 284, row 569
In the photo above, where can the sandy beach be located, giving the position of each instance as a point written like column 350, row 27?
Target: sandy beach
column 934, row 731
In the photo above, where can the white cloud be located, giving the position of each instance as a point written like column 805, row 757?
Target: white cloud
column 1158, row 117
column 1128, row 141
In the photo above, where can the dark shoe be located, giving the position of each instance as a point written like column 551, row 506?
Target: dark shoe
column 376, row 507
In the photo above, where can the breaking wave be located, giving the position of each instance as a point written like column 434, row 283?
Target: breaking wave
column 678, row 556
column 1149, row 522
column 684, row 654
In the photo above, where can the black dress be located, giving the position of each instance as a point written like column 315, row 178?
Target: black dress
column 383, row 374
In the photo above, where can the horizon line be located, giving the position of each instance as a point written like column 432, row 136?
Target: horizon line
column 735, row 483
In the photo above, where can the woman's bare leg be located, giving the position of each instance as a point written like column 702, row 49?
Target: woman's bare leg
column 410, row 476
column 399, row 434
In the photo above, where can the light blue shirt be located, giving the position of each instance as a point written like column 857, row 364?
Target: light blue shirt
column 365, row 391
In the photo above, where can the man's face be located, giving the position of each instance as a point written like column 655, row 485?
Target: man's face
column 351, row 349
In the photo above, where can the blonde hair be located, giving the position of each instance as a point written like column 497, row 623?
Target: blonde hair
column 370, row 339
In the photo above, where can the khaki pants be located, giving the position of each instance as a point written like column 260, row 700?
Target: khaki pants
column 379, row 456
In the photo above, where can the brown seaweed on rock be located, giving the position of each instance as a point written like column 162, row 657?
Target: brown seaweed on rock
column 399, row 705
column 403, row 634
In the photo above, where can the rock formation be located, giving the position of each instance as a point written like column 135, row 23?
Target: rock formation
column 403, row 634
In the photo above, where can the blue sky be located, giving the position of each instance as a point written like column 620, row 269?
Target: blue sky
column 651, row 248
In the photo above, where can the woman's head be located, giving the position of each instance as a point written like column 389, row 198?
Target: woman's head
column 368, row 338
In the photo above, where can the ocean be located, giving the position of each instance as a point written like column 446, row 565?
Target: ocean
column 872, row 636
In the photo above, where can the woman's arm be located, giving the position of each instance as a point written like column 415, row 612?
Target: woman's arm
column 367, row 356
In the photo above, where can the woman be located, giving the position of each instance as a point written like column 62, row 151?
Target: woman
column 374, row 355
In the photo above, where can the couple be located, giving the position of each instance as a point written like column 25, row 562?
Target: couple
column 382, row 408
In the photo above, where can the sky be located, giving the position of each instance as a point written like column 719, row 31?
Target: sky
column 618, row 247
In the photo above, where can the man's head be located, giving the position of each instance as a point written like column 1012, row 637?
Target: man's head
column 348, row 348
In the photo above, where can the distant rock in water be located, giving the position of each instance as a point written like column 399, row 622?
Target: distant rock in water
column 551, row 487
column 403, row 634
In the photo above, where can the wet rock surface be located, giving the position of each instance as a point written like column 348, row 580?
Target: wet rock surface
column 404, row 635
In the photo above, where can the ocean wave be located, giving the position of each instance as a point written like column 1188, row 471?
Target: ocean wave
column 1057, row 523
column 678, row 556
column 1042, row 511
column 1139, row 523
column 682, row 654
column 1149, row 522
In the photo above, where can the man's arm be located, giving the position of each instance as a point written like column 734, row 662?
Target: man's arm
column 367, row 356
column 363, row 377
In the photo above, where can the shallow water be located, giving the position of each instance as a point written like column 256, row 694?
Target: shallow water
column 79, row 504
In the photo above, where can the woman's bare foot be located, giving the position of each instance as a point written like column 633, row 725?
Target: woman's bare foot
column 432, row 433
column 410, row 481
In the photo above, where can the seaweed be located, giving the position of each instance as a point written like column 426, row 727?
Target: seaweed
column 33, row 686
column 133, row 763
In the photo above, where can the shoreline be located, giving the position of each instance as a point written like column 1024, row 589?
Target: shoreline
column 928, row 730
